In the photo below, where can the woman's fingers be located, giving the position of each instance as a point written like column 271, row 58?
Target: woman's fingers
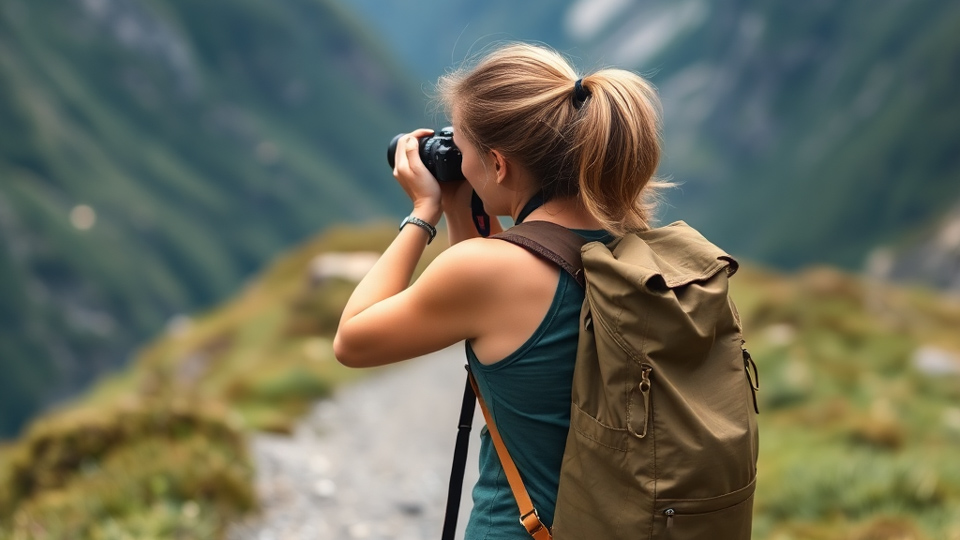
column 412, row 174
column 400, row 162
column 408, row 148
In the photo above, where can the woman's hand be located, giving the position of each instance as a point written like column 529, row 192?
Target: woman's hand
column 413, row 176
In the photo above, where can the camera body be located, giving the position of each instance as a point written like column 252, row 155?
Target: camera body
column 441, row 157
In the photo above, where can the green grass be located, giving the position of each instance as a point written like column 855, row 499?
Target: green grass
column 138, row 468
column 855, row 441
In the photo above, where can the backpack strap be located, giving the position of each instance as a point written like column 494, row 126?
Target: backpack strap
column 528, row 514
column 550, row 241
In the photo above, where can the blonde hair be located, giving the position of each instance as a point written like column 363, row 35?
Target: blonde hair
column 519, row 99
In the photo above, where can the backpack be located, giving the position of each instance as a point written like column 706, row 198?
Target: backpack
column 663, row 437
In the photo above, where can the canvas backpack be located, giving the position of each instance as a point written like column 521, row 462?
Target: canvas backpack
column 663, row 436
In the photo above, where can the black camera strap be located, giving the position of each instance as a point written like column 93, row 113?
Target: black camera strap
column 481, row 220
column 459, row 461
column 535, row 202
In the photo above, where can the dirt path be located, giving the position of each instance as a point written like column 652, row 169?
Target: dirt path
column 371, row 463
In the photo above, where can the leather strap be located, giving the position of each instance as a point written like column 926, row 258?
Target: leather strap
column 528, row 514
column 550, row 241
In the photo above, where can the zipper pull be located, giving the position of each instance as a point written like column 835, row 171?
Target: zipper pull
column 669, row 512
column 644, row 387
column 753, row 376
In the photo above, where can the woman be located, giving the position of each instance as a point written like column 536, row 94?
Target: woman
column 529, row 130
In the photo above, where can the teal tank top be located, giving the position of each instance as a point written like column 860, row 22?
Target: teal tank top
column 528, row 395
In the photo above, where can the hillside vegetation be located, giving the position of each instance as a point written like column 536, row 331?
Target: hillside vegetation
column 859, row 430
column 153, row 154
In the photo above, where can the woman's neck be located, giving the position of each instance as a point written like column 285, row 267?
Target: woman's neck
column 567, row 211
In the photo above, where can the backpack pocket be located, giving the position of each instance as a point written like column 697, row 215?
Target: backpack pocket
column 728, row 516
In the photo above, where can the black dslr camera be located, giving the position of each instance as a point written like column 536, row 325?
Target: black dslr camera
column 438, row 153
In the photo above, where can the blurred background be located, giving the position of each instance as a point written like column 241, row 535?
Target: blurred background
column 172, row 173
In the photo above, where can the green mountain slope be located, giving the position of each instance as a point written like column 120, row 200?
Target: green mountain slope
column 153, row 154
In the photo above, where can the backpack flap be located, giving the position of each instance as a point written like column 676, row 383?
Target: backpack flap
column 674, row 256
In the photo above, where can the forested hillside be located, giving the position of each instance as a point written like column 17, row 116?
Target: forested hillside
column 153, row 153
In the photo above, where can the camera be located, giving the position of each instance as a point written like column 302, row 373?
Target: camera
column 438, row 153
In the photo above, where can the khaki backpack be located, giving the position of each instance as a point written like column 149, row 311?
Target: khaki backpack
column 663, row 433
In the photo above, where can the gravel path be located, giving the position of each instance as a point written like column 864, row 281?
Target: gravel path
column 371, row 463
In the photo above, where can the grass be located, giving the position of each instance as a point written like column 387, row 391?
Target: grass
column 141, row 468
column 856, row 442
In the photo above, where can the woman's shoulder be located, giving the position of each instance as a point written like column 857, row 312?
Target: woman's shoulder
column 484, row 252
column 488, row 263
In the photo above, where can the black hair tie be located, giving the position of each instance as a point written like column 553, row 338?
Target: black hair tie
column 580, row 94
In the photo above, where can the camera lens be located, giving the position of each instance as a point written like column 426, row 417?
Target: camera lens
column 392, row 150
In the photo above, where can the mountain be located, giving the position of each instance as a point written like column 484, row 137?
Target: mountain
column 931, row 257
column 154, row 153
column 800, row 133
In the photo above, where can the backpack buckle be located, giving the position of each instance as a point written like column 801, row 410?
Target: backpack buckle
column 531, row 522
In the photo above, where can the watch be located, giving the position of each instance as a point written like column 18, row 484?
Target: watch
column 431, row 230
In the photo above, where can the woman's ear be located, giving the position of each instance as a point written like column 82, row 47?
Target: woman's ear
column 499, row 166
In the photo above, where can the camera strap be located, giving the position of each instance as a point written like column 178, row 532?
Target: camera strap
column 481, row 220
column 459, row 461
column 535, row 202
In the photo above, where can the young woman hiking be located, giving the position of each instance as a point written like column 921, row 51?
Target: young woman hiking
column 529, row 129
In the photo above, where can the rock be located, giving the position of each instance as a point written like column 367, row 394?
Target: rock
column 934, row 361
column 349, row 266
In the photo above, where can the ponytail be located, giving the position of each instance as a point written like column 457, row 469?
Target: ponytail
column 597, row 138
column 619, row 149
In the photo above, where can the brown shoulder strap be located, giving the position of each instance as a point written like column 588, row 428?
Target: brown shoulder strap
column 528, row 514
column 550, row 241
